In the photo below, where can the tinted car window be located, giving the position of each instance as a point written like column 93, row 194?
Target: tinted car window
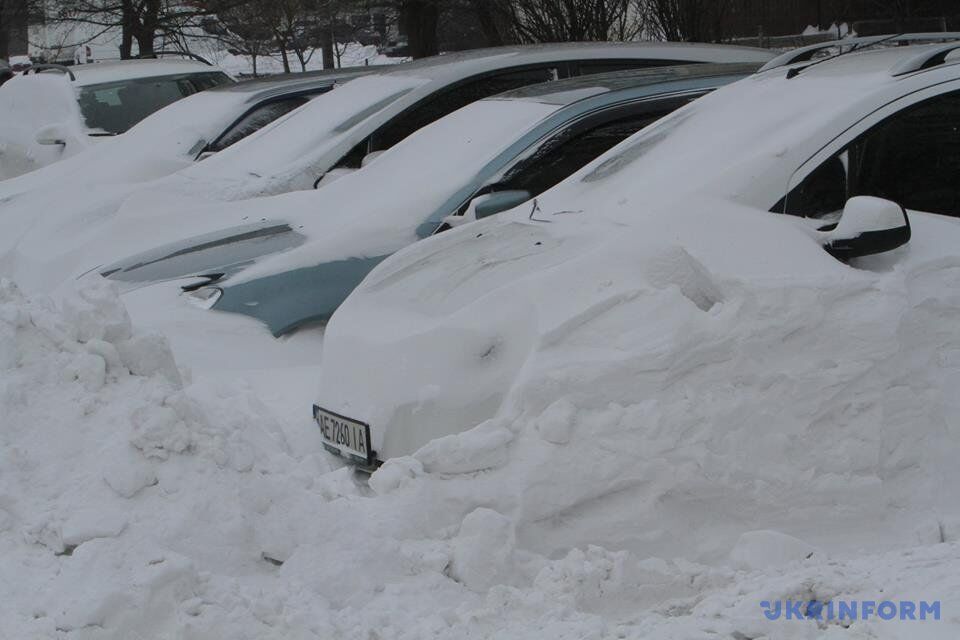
column 572, row 149
column 912, row 158
column 256, row 119
column 450, row 100
column 114, row 107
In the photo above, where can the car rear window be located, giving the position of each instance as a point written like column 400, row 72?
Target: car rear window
column 114, row 107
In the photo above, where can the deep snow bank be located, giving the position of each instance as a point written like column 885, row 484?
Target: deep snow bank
column 136, row 504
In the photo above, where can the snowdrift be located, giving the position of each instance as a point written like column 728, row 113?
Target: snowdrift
column 136, row 502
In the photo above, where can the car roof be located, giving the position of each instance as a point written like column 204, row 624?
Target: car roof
column 266, row 87
column 100, row 72
column 569, row 91
column 466, row 63
column 872, row 65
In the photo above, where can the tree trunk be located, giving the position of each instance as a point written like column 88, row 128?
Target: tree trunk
column 418, row 19
column 326, row 48
column 126, row 29
column 285, row 57
column 4, row 30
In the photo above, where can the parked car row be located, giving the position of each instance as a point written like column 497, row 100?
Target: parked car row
column 454, row 219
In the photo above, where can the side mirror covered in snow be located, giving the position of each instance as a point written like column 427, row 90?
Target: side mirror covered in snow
column 869, row 225
column 498, row 201
column 52, row 134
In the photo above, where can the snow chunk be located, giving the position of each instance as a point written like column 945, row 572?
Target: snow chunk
column 395, row 473
column 125, row 472
column 556, row 423
column 582, row 577
column 764, row 548
column 89, row 523
column 483, row 551
column 94, row 312
column 674, row 266
column 146, row 355
column 159, row 431
column 483, row 447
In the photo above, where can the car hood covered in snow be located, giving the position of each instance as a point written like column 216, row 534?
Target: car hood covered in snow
column 465, row 317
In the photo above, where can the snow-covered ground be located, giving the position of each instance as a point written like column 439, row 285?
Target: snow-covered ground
column 140, row 499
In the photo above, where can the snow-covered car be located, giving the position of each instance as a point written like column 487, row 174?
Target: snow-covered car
column 5, row 71
column 190, row 129
column 735, row 255
column 52, row 112
column 486, row 157
column 351, row 126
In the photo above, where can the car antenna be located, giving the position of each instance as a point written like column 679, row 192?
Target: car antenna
column 794, row 72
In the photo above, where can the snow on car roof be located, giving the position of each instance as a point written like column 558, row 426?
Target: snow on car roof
column 96, row 73
column 268, row 86
column 478, row 60
column 305, row 133
column 564, row 92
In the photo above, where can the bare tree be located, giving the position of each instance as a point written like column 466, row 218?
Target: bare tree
column 246, row 29
column 571, row 20
column 139, row 21
column 684, row 20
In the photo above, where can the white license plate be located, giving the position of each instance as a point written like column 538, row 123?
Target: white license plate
column 343, row 435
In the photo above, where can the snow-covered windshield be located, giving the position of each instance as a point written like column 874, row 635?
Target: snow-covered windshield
column 459, row 145
column 301, row 136
column 114, row 107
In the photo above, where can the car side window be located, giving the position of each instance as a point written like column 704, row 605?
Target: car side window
column 448, row 101
column 911, row 158
column 256, row 119
column 573, row 148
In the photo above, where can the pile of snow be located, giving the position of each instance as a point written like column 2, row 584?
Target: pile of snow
column 136, row 503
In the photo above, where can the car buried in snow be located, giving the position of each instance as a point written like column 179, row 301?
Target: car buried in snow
column 795, row 182
column 52, row 112
column 192, row 129
column 484, row 158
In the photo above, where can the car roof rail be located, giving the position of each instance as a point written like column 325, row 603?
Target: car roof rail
column 185, row 54
column 804, row 54
column 37, row 68
column 926, row 60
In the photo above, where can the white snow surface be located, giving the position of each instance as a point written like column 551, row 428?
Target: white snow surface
column 136, row 502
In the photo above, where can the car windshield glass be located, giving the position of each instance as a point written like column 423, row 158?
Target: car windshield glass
column 114, row 107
